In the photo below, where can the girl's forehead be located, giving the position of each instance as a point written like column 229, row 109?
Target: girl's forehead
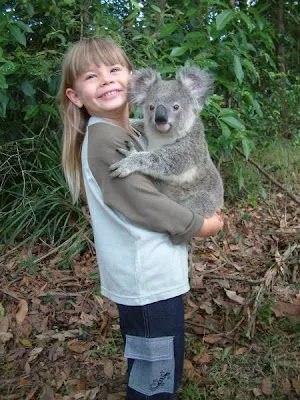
column 93, row 60
column 92, row 65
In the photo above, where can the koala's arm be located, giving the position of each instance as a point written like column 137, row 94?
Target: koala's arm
column 171, row 159
column 136, row 197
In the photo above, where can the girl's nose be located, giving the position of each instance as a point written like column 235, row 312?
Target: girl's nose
column 106, row 79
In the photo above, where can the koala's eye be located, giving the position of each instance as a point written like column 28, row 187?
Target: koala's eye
column 151, row 107
column 176, row 107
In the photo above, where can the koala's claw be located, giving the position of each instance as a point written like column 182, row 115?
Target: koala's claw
column 124, row 152
column 129, row 145
column 124, row 167
column 117, row 171
column 121, row 168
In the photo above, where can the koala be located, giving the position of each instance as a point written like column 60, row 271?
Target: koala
column 174, row 148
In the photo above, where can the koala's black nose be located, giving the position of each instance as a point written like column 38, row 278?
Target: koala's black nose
column 161, row 114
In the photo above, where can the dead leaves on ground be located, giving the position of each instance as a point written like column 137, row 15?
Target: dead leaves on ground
column 55, row 331
column 59, row 339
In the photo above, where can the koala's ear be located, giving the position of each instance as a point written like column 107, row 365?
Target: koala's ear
column 199, row 83
column 141, row 81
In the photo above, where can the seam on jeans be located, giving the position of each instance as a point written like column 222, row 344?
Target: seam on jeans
column 147, row 333
column 146, row 321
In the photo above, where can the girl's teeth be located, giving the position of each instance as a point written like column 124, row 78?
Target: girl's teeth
column 108, row 94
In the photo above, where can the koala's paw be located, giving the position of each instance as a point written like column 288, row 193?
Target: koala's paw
column 128, row 165
column 120, row 169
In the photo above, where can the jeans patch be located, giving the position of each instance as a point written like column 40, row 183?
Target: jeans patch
column 154, row 365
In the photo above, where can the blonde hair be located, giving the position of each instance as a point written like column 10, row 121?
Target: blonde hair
column 77, row 60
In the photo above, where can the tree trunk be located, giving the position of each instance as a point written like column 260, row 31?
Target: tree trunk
column 85, row 17
column 279, row 24
column 279, row 7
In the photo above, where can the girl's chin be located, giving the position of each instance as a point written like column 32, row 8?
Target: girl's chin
column 109, row 109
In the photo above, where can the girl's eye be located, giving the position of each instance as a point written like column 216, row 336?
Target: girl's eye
column 115, row 69
column 151, row 107
column 89, row 76
column 176, row 107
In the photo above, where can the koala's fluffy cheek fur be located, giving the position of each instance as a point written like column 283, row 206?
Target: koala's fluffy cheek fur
column 184, row 122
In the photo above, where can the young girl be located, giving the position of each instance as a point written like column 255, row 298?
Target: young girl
column 140, row 235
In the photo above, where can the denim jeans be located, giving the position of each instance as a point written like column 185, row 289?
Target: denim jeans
column 154, row 345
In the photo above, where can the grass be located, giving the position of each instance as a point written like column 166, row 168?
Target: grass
column 34, row 203
column 238, row 369
column 239, row 376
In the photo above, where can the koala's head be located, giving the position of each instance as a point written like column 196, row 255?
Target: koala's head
column 170, row 107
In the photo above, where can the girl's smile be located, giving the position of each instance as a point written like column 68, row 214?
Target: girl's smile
column 110, row 94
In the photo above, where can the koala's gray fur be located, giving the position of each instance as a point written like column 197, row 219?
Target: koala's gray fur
column 176, row 152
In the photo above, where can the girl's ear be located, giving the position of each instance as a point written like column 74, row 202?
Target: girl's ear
column 73, row 96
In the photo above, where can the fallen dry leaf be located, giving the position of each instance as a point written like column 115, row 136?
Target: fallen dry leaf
column 87, row 319
column 286, row 385
column 31, row 393
column 239, row 351
column 80, row 385
column 235, row 297
column 196, row 282
column 189, row 369
column 5, row 336
column 34, row 353
column 266, row 386
column 22, row 311
column 205, row 358
column 26, row 342
column 296, row 385
column 207, row 306
column 212, row 339
column 108, row 368
column 47, row 393
column 104, row 323
column 79, row 346
column 257, row 392
column 277, row 257
column 2, row 310
column 282, row 309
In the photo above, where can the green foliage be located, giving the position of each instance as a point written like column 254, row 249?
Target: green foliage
column 256, row 98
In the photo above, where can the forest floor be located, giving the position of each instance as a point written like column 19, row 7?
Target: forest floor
column 59, row 339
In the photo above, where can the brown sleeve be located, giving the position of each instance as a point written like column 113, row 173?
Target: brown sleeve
column 136, row 195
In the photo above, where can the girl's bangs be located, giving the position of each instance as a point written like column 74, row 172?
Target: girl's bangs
column 96, row 52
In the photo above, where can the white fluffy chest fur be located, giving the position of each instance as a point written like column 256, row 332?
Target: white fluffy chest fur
column 156, row 141
column 185, row 177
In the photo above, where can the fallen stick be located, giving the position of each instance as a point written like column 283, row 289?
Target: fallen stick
column 273, row 180
column 233, row 278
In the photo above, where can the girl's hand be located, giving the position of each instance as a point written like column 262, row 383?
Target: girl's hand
column 211, row 225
